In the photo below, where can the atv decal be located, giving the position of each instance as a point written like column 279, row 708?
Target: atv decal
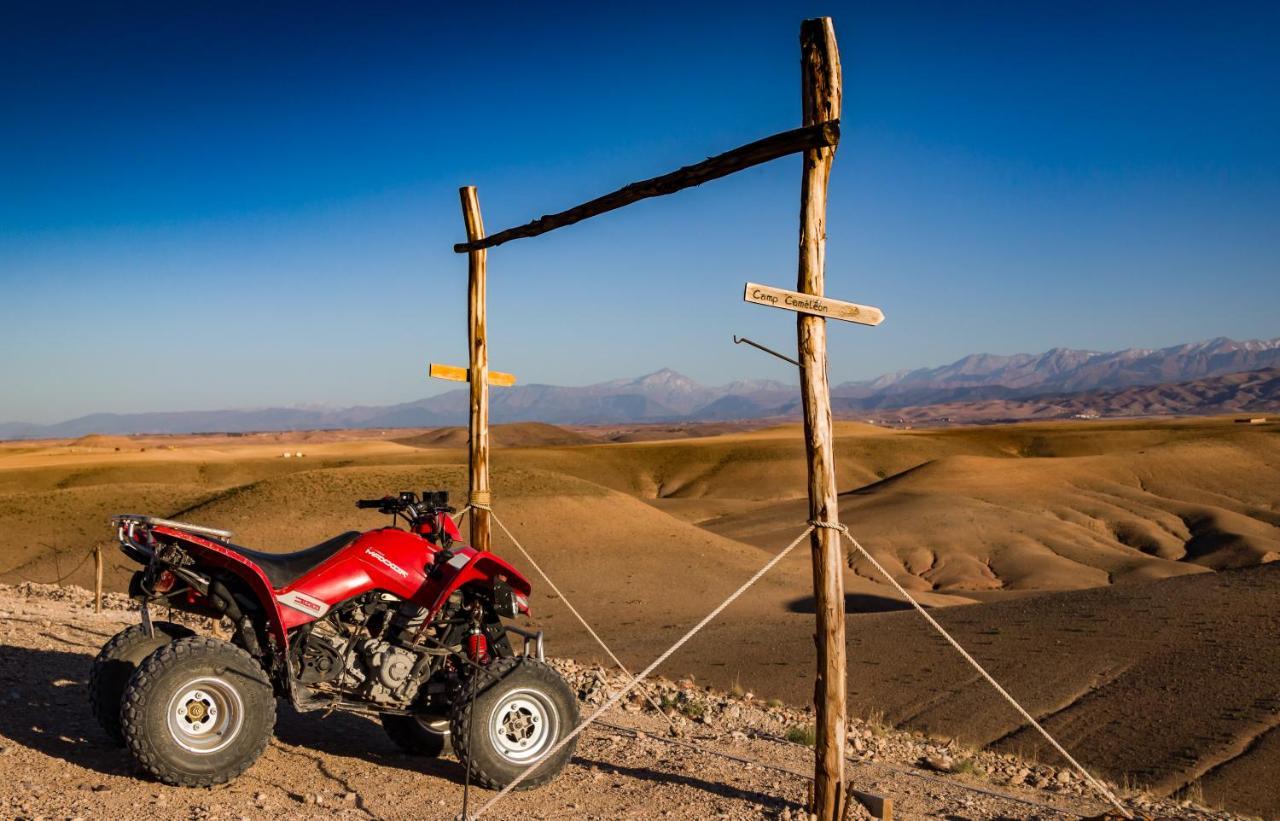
column 307, row 604
column 390, row 565
column 459, row 561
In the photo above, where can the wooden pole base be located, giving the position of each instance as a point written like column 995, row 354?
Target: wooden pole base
column 97, row 579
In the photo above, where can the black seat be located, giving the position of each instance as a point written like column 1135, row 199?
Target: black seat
column 282, row 569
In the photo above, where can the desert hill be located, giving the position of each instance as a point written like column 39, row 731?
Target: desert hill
column 1043, row 523
column 515, row 435
column 1061, row 511
column 1023, row 508
column 1186, row 671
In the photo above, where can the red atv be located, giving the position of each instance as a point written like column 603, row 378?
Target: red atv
column 404, row 624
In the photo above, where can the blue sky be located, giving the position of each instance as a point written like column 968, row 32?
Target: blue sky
column 237, row 205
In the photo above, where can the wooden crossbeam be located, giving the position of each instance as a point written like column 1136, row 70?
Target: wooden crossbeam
column 819, row 135
column 455, row 374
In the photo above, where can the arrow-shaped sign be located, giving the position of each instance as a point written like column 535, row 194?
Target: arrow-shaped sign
column 455, row 374
column 809, row 304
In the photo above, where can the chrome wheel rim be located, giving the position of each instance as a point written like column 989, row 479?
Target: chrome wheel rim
column 523, row 725
column 205, row 715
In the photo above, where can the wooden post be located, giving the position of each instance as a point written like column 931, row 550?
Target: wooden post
column 477, row 371
column 97, row 579
column 877, row 806
column 820, row 65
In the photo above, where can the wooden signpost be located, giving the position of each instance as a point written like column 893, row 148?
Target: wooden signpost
column 455, row 374
column 478, row 447
column 808, row 304
column 816, row 139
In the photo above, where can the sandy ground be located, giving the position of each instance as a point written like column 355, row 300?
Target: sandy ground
column 56, row 762
column 1155, row 652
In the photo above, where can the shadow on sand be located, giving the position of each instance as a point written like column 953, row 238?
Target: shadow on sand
column 853, row 603
column 44, row 705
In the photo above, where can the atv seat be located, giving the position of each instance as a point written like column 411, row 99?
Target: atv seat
column 282, row 569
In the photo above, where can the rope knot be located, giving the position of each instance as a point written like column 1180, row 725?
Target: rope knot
column 829, row 525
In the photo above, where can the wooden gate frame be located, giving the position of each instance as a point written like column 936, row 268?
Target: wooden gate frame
column 817, row 139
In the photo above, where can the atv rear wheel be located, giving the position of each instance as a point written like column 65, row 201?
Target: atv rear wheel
column 418, row 735
column 116, row 662
column 520, row 712
column 198, row 712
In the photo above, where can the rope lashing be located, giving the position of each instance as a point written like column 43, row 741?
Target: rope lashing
column 829, row 526
column 1097, row 785
column 641, row 676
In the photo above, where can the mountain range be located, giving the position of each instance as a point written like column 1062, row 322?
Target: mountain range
column 668, row 396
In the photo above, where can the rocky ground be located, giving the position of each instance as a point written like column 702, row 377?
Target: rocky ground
column 56, row 763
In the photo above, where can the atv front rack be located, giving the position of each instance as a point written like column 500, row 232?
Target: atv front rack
column 529, row 637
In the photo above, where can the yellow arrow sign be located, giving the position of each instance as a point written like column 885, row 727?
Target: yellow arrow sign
column 456, row 374
column 809, row 304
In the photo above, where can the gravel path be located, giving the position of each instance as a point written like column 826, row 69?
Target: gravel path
column 56, row 763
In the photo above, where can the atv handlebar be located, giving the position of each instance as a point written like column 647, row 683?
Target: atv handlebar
column 433, row 501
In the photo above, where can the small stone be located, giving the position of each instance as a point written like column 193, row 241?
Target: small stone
column 349, row 797
column 102, row 788
column 1063, row 777
column 938, row 763
column 738, row 735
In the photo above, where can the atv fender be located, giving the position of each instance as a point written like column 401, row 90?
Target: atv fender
column 471, row 566
column 216, row 554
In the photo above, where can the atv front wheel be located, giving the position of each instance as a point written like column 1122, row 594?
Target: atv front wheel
column 116, row 662
column 198, row 712
column 521, row 708
column 418, row 735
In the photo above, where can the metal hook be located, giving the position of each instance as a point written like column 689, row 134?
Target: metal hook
column 784, row 357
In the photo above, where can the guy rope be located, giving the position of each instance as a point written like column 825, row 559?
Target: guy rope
column 816, row 140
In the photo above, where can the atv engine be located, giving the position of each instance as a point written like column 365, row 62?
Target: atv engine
column 363, row 649
column 390, row 668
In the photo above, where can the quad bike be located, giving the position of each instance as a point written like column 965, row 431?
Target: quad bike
column 404, row 624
